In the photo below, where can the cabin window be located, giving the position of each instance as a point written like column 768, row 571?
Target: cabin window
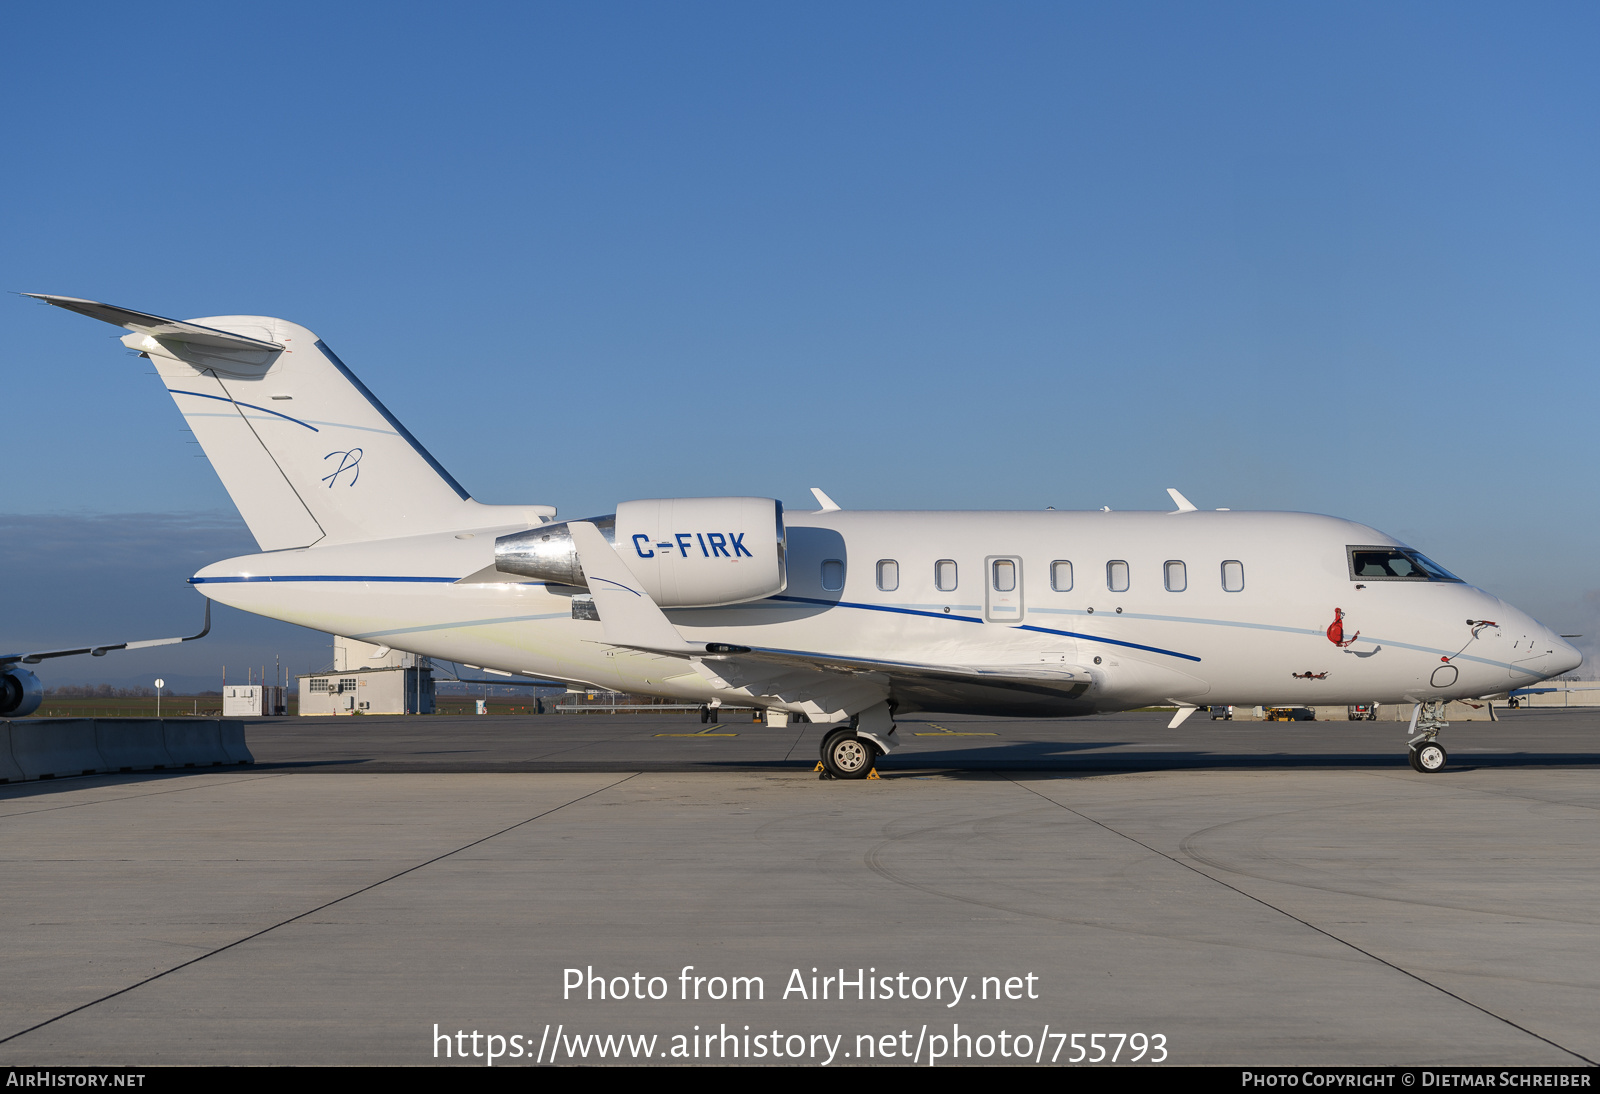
column 832, row 575
column 888, row 575
column 1117, row 576
column 1232, row 576
column 944, row 575
column 1061, row 576
column 1395, row 564
column 1005, row 575
column 1177, row 576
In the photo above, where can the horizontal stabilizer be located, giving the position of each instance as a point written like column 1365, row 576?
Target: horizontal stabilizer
column 171, row 329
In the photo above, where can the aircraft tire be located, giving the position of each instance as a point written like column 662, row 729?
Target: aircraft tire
column 846, row 756
column 1429, row 757
column 827, row 742
column 705, row 714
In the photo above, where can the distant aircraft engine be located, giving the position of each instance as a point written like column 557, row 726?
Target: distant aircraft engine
column 20, row 693
column 686, row 552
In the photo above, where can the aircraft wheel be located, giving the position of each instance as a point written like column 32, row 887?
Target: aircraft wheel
column 827, row 740
column 1429, row 757
column 846, row 756
column 705, row 714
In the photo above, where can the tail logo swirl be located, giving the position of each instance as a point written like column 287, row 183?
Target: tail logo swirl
column 348, row 461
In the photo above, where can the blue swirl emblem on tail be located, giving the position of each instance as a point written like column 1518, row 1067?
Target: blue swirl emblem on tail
column 348, row 461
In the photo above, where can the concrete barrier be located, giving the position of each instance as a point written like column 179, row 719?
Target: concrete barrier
column 233, row 744
column 132, row 744
column 53, row 748
column 194, row 742
column 9, row 771
column 1583, row 693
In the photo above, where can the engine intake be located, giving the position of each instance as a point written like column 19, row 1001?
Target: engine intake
column 686, row 552
column 20, row 693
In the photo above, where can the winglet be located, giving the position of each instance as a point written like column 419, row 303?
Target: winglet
column 627, row 614
column 1184, row 504
column 827, row 503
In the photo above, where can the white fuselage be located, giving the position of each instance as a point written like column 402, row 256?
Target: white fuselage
column 1264, row 642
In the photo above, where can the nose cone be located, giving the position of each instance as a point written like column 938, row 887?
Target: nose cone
column 1563, row 656
column 1552, row 655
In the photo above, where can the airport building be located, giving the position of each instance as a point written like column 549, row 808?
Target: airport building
column 368, row 679
column 253, row 700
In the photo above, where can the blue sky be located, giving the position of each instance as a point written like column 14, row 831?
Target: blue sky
column 1329, row 257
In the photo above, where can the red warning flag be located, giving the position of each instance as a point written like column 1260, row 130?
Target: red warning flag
column 1336, row 630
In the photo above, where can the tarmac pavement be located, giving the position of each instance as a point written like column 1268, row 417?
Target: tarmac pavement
column 1247, row 894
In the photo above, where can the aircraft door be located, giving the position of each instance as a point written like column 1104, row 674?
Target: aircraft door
column 1003, row 589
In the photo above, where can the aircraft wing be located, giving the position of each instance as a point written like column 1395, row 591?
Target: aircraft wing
column 36, row 656
column 825, row 686
column 1049, row 678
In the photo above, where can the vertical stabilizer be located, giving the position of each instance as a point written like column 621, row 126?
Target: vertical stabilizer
column 307, row 453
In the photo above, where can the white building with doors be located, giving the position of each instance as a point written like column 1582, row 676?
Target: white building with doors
column 368, row 679
column 252, row 700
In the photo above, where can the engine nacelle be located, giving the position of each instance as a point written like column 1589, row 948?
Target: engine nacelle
column 20, row 692
column 686, row 552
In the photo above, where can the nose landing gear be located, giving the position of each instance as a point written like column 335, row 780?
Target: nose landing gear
column 1426, row 754
column 1428, row 758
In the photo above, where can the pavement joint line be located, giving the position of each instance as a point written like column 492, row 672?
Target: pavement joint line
column 313, row 911
column 133, row 797
column 943, row 732
column 706, row 732
column 796, row 743
column 878, row 868
column 1502, row 794
column 1184, row 845
column 559, row 751
column 1306, row 923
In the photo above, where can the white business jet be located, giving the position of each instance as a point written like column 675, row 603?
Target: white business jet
column 846, row 617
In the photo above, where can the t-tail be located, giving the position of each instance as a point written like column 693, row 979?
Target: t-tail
column 307, row 453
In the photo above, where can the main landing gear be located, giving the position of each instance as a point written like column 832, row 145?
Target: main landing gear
column 846, row 756
column 1427, row 755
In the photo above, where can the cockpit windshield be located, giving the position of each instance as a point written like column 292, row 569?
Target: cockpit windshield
column 1395, row 564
